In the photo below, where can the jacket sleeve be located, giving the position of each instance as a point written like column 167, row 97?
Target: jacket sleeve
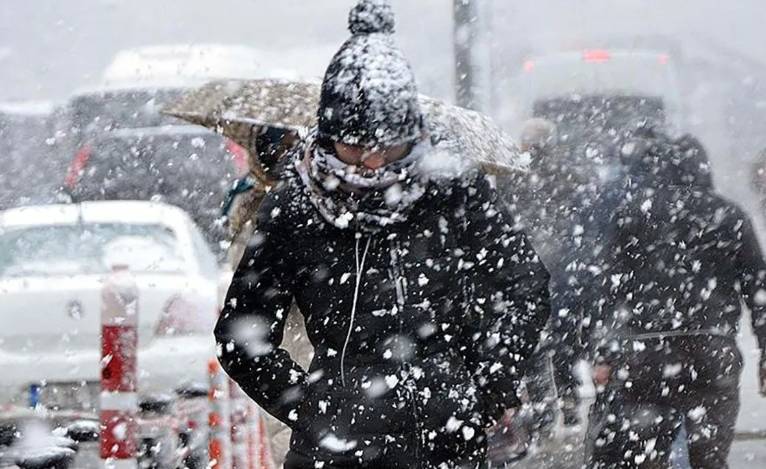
column 753, row 279
column 506, row 298
column 592, row 264
column 250, row 329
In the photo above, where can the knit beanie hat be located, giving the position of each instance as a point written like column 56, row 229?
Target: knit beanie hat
column 369, row 95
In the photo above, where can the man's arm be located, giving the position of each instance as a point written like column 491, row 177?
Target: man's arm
column 590, row 271
column 753, row 288
column 250, row 328
column 507, row 299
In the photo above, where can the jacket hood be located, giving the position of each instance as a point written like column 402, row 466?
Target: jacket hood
column 662, row 161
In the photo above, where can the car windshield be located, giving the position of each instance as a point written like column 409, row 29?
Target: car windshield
column 88, row 249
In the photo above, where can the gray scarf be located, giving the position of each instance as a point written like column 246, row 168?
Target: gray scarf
column 350, row 197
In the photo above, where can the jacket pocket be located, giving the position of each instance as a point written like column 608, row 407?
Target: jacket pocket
column 341, row 414
column 449, row 399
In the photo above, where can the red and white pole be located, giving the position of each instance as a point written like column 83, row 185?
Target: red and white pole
column 219, row 421
column 119, row 347
column 239, row 430
column 259, row 446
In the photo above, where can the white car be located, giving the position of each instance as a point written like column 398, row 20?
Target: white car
column 53, row 261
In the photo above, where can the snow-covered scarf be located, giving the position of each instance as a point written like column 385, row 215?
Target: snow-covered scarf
column 350, row 197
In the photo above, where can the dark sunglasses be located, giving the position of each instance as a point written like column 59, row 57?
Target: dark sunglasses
column 329, row 146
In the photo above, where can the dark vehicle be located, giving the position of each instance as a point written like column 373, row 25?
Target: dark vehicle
column 123, row 148
column 186, row 166
column 89, row 114
column 30, row 172
column 596, row 97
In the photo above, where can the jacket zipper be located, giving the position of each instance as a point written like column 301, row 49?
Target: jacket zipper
column 400, row 282
column 419, row 434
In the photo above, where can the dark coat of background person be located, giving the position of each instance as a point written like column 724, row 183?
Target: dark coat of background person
column 547, row 201
column 677, row 262
column 448, row 307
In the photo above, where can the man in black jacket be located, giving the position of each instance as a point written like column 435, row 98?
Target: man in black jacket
column 421, row 302
column 677, row 260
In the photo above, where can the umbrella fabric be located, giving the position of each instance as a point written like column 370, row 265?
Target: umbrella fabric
column 240, row 108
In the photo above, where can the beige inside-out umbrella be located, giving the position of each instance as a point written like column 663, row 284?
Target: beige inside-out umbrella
column 240, row 109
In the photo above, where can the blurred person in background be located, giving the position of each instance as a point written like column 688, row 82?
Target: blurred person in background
column 421, row 302
column 547, row 205
column 675, row 261
column 267, row 156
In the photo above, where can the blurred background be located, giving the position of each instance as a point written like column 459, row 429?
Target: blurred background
column 82, row 83
column 49, row 49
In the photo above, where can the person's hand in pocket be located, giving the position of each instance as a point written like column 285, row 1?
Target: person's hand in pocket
column 505, row 421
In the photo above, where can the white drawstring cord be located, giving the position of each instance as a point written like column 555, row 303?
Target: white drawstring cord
column 359, row 269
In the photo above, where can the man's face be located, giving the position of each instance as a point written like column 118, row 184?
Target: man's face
column 370, row 159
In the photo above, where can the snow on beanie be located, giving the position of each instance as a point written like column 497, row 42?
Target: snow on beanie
column 369, row 94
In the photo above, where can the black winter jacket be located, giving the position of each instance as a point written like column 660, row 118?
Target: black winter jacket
column 420, row 331
column 676, row 258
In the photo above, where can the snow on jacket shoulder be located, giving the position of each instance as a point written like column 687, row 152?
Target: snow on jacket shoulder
column 422, row 325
